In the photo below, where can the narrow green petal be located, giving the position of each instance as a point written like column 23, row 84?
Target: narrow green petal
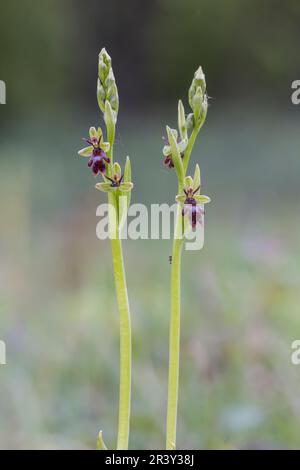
column 86, row 152
column 202, row 199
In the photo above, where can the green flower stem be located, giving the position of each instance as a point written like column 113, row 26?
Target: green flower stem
column 174, row 347
column 189, row 148
column 125, row 344
column 125, row 324
column 174, row 341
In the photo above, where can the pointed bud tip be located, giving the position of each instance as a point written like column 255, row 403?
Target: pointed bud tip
column 199, row 74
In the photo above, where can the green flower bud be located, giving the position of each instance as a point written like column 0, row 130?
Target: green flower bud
column 198, row 97
column 101, row 96
column 197, row 103
column 106, row 86
column 181, row 121
column 104, row 64
column 199, row 79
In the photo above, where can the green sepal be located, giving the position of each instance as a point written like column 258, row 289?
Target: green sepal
column 86, row 152
column 201, row 199
column 105, row 187
column 95, row 133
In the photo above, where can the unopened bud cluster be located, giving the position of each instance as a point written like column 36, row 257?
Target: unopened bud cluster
column 99, row 151
column 179, row 144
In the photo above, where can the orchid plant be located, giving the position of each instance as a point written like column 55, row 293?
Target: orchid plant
column 190, row 217
column 118, row 186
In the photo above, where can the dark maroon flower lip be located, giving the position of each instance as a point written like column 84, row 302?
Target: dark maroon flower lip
column 99, row 158
column 192, row 209
column 168, row 161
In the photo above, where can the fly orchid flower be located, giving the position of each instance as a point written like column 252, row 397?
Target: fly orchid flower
column 118, row 181
column 97, row 151
column 167, row 151
column 193, row 201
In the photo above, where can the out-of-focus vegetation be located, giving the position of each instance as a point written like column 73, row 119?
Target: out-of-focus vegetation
column 58, row 313
column 48, row 50
column 240, row 295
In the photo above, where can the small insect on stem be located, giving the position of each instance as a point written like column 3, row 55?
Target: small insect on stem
column 170, row 259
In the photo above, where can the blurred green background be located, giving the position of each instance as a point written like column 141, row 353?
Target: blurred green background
column 240, row 305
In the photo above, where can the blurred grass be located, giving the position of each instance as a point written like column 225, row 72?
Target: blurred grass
column 240, row 309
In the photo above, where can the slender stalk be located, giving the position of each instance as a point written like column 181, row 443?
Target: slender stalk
column 125, row 344
column 125, row 323
column 174, row 340
column 188, row 189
